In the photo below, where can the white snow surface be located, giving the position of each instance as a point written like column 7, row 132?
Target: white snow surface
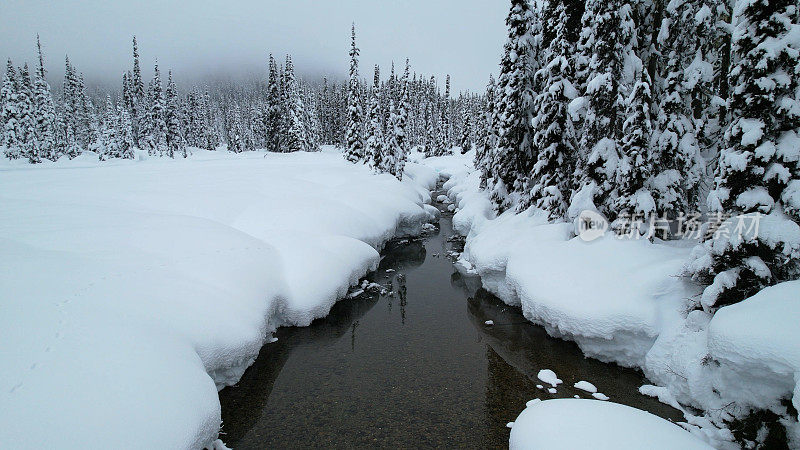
column 131, row 291
column 576, row 424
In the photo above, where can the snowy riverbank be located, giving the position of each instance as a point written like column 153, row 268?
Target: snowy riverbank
column 133, row 290
column 623, row 301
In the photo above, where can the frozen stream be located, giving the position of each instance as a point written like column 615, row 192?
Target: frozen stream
column 417, row 368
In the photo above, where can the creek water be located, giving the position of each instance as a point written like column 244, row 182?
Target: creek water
column 415, row 367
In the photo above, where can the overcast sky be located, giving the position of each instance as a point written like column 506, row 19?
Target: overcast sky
column 201, row 38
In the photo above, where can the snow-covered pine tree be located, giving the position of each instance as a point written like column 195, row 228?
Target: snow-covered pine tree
column 400, row 124
column 515, row 87
column 678, row 167
column 391, row 145
column 235, row 132
column 374, row 129
column 127, row 92
column 27, row 118
column 607, row 41
column 440, row 145
column 635, row 198
column 354, row 150
column 45, row 112
column 108, row 145
column 193, row 120
column 447, row 118
column 156, row 120
column 10, row 113
column 175, row 143
column 125, row 133
column 273, row 107
column 758, row 170
column 69, row 104
column 86, row 123
column 465, row 141
column 555, row 139
column 211, row 134
column 431, row 122
column 296, row 133
column 311, row 120
column 487, row 142
column 139, row 109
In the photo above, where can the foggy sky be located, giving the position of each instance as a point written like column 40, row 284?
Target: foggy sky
column 199, row 39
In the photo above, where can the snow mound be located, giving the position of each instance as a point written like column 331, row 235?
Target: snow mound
column 588, row 424
column 757, row 343
column 586, row 386
column 549, row 377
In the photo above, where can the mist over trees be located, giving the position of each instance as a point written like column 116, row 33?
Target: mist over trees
column 377, row 122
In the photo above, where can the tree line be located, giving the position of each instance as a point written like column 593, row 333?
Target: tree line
column 387, row 119
column 281, row 113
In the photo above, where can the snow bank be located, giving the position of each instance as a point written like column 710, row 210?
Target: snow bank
column 589, row 424
column 131, row 291
column 611, row 296
column 757, row 343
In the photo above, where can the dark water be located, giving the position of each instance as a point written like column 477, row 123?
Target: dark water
column 416, row 369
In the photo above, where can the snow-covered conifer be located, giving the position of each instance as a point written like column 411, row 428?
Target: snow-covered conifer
column 354, row 141
column 635, row 199
column 374, row 129
column 176, row 145
column 45, row 112
column 758, row 169
column 10, row 113
column 156, row 120
column 607, row 40
column 554, row 139
column 515, row 88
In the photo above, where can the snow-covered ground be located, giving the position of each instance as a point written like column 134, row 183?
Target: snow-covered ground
column 624, row 301
column 131, row 291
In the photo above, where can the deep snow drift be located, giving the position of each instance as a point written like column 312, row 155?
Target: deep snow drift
column 624, row 301
column 131, row 291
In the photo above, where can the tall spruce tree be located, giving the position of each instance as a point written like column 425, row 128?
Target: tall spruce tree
column 296, row 132
column 758, row 170
column 45, row 112
column 354, row 141
column 27, row 119
column 374, row 129
column 555, row 139
column 176, row 145
column 156, row 119
column 677, row 157
column 635, row 198
column 10, row 113
column 273, row 107
column 108, row 145
column 487, row 143
column 516, row 89
column 139, row 110
column 607, row 40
